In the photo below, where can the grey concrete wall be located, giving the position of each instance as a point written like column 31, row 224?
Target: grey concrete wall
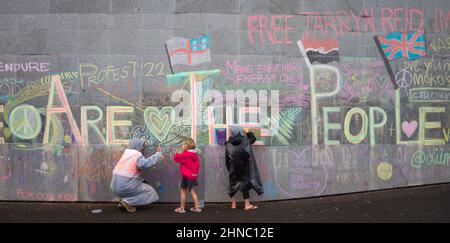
column 111, row 53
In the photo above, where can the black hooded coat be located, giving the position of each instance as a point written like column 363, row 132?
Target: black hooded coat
column 241, row 164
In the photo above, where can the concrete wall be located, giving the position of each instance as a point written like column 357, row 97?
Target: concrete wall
column 106, row 62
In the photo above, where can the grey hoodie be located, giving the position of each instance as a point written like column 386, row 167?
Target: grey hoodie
column 133, row 190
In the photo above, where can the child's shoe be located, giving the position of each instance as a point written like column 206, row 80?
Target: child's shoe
column 180, row 210
column 197, row 210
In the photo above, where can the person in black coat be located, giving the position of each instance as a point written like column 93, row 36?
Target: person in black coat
column 241, row 165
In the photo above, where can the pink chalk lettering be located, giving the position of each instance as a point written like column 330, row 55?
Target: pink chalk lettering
column 263, row 73
column 398, row 19
column 307, row 14
column 356, row 19
column 287, row 28
column 343, row 22
column 251, row 28
column 318, row 24
column 436, row 26
column 387, row 19
column 369, row 20
column 25, row 195
column 263, row 28
column 441, row 21
column 275, row 28
column 271, row 30
column 7, row 175
column 330, row 23
column 420, row 16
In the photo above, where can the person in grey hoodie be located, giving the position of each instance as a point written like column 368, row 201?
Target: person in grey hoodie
column 127, row 183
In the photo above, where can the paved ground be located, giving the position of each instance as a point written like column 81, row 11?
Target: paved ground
column 415, row 204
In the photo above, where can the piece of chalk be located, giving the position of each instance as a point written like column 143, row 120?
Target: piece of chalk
column 96, row 211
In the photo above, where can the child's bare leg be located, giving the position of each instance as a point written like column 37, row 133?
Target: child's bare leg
column 233, row 202
column 183, row 198
column 195, row 198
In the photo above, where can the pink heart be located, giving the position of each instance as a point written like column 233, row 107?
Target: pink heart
column 409, row 128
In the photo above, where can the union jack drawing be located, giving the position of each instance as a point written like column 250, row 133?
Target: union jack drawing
column 407, row 45
column 189, row 51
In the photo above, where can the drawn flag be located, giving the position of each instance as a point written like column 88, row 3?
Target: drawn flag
column 189, row 51
column 403, row 45
column 321, row 51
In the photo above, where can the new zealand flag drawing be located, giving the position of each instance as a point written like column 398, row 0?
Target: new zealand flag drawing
column 189, row 51
column 403, row 45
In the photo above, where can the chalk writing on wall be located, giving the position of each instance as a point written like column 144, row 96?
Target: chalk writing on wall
column 333, row 110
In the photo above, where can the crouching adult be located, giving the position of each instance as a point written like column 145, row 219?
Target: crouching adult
column 127, row 182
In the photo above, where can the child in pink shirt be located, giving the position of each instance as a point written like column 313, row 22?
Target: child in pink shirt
column 189, row 167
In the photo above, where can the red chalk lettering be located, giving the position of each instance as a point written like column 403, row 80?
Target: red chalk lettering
column 44, row 196
column 413, row 13
column 5, row 170
column 25, row 195
column 263, row 28
column 369, row 20
column 443, row 20
column 251, row 28
column 70, row 197
column 387, row 20
column 356, row 19
column 392, row 19
column 276, row 29
column 307, row 14
column 262, row 19
column 330, row 23
column 436, row 26
column 439, row 18
column 398, row 18
column 286, row 29
column 317, row 24
column 447, row 20
column 343, row 22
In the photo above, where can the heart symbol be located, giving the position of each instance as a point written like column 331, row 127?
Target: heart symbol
column 409, row 128
column 159, row 122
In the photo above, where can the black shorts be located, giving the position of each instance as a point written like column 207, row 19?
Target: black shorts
column 188, row 184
